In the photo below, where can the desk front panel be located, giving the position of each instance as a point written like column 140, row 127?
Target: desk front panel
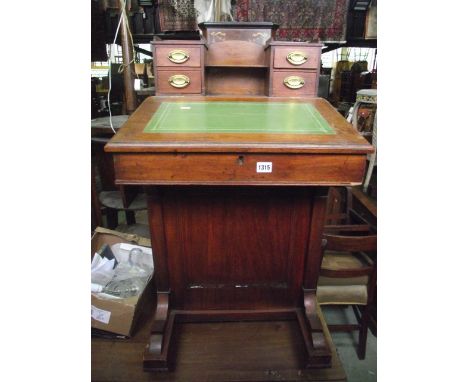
column 238, row 169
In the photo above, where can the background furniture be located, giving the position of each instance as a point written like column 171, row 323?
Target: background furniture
column 348, row 275
column 349, row 205
column 104, row 193
column 352, row 207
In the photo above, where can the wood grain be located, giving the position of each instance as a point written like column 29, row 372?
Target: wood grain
column 238, row 169
column 235, row 248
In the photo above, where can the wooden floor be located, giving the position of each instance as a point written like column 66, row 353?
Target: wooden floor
column 217, row 352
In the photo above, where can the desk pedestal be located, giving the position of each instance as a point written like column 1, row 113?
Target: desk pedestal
column 236, row 253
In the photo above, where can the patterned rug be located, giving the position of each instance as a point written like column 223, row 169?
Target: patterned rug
column 299, row 20
column 177, row 15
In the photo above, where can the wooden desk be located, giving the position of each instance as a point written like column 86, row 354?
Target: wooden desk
column 236, row 208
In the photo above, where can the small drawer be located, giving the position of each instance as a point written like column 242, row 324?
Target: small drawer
column 181, row 56
column 294, row 83
column 178, row 82
column 296, row 57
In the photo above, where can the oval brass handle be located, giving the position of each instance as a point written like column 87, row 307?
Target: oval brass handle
column 178, row 56
column 179, row 81
column 297, row 58
column 294, row 82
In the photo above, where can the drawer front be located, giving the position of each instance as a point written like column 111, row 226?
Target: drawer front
column 294, row 83
column 296, row 57
column 178, row 82
column 177, row 56
column 239, row 169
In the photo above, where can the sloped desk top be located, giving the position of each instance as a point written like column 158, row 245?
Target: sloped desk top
column 293, row 125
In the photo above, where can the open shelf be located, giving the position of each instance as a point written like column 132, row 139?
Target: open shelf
column 237, row 80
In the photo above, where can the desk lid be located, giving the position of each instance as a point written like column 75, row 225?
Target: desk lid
column 233, row 124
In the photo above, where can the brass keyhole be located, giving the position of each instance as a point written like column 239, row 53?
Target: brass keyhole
column 240, row 160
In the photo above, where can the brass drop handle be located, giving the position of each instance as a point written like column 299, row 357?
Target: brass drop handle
column 294, row 82
column 178, row 56
column 297, row 58
column 179, row 81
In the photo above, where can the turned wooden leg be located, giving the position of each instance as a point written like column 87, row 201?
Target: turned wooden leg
column 364, row 325
column 130, row 217
column 112, row 218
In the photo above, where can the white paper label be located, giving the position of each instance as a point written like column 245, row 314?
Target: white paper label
column 264, row 166
column 100, row 315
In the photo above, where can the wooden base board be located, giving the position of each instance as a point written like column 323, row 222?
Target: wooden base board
column 221, row 352
column 159, row 353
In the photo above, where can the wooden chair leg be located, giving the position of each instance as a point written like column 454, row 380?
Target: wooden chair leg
column 96, row 215
column 130, row 217
column 364, row 325
column 112, row 218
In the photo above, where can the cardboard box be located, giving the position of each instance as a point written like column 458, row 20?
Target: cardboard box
column 118, row 316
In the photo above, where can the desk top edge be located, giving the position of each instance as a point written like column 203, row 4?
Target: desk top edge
column 130, row 138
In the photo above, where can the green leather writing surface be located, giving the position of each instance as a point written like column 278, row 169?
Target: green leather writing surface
column 238, row 117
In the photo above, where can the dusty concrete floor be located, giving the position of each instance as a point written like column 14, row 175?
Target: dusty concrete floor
column 346, row 345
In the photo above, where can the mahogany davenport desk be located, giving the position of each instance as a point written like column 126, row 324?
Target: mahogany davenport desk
column 236, row 199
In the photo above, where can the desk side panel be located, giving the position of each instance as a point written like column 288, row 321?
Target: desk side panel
column 238, row 169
